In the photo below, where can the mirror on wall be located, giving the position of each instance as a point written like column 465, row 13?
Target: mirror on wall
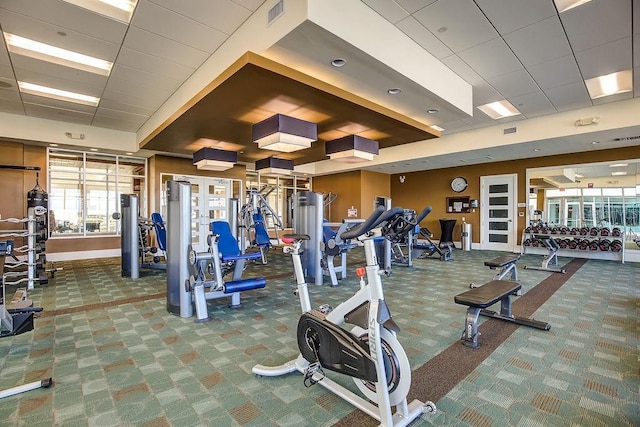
column 589, row 195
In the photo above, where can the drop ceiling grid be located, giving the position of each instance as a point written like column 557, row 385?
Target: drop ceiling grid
column 222, row 15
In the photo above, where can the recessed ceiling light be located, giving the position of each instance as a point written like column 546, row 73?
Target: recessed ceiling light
column 499, row 109
column 578, row 175
column 438, row 128
column 564, row 5
column 442, row 29
column 618, row 173
column 61, row 95
column 595, row 142
column 537, row 149
column 61, row 33
column 338, row 62
column 129, row 154
column 121, row 10
column 53, row 145
column 619, row 165
column 5, row 85
column 433, row 110
column 93, row 149
column 45, row 52
column 394, row 91
column 610, row 84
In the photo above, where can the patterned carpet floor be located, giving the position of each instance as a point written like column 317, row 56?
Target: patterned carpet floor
column 118, row 358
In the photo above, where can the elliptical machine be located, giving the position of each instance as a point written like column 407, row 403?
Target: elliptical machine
column 368, row 352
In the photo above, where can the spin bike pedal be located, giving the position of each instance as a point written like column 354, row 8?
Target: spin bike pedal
column 325, row 308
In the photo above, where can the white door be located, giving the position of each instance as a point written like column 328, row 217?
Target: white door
column 209, row 201
column 498, row 212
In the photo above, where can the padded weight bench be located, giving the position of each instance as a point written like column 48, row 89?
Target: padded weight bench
column 551, row 258
column 478, row 299
column 506, row 264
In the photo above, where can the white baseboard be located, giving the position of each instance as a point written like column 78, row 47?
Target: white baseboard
column 70, row 256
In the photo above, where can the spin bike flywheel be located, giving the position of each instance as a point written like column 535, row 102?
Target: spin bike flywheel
column 396, row 366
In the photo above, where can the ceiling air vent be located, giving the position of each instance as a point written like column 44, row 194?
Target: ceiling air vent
column 507, row 131
column 275, row 11
column 627, row 138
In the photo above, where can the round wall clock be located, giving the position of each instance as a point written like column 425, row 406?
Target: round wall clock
column 459, row 184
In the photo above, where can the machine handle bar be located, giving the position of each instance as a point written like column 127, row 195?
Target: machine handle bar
column 368, row 224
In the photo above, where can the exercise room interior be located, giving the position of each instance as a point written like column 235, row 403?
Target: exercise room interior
column 320, row 213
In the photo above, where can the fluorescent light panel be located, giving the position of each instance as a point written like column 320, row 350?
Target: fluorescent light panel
column 610, row 84
column 45, row 52
column 564, row 5
column 499, row 109
column 60, row 95
column 618, row 173
column 120, row 10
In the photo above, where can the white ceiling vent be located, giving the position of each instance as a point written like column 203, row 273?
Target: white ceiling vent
column 275, row 12
column 507, row 131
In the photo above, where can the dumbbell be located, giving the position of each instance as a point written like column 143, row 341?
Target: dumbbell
column 535, row 243
column 583, row 244
column 584, row 231
column 527, row 242
column 616, row 232
column 564, row 230
column 604, row 244
column 573, row 244
column 594, row 245
column 604, row 231
column 594, row 231
column 563, row 243
column 574, row 231
column 526, row 230
column 554, row 230
column 616, row 246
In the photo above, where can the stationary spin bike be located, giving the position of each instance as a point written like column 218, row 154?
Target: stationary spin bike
column 368, row 352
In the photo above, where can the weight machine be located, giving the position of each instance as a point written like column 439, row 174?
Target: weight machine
column 257, row 217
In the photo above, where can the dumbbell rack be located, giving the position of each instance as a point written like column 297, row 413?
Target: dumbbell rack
column 35, row 236
column 580, row 251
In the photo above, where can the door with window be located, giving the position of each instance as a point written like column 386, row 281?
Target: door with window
column 498, row 212
column 209, row 201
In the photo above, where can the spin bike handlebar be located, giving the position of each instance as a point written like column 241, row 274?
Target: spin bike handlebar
column 376, row 218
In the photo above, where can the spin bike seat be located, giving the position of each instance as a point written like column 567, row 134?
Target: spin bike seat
column 290, row 238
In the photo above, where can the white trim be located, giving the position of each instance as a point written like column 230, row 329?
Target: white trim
column 72, row 256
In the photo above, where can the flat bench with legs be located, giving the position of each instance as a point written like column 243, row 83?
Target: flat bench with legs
column 478, row 299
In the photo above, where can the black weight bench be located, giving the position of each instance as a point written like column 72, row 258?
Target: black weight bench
column 506, row 264
column 478, row 299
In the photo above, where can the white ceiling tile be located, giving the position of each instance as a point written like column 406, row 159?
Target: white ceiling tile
column 413, row 6
column 11, row 107
column 118, row 124
column 9, row 94
column 412, row 28
column 162, row 47
column 151, row 64
column 484, row 93
column 490, row 59
column 605, row 59
column 636, row 16
column 597, row 22
column 540, row 42
column 179, row 28
column 508, row 16
column 6, row 72
column 465, row 24
column 57, row 76
column 149, row 99
column 461, row 68
column 569, row 97
column 71, row 17
column 251, row 5
column 455, row 126
column 512, row 84
column 59, row 114
column 47, row 33
column 126, row 108
column 479, row 120
column 533, row 104
column 390, row 10
column 223, row 15
column 557, row 72
column 125, row 79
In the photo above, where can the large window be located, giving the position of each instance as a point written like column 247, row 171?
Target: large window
column 85, row 188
